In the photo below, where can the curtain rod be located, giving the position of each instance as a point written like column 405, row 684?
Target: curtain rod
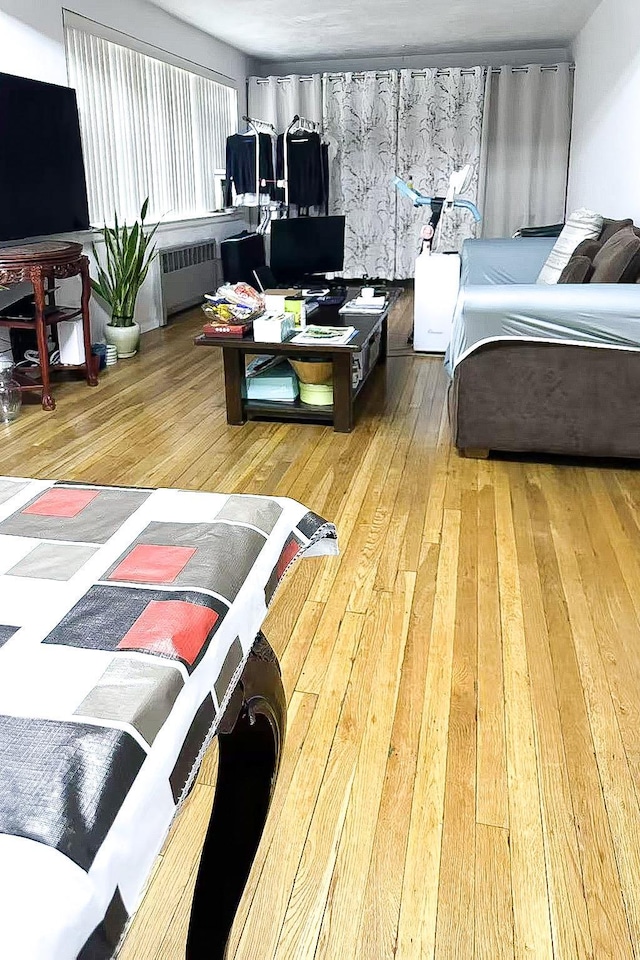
column 440, row 72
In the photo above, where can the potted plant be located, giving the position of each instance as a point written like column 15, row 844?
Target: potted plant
column 128, row 256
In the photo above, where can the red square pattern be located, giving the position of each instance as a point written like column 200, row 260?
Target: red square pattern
column 62, row 502
column 173, row 628
column 289, row 552
column 153, row 564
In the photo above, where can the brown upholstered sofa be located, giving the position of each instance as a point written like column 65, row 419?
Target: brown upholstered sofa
column 539, row 368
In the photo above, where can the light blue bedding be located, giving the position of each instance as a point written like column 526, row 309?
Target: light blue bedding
column 499, row 299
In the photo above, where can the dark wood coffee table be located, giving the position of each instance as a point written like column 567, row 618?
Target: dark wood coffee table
column 341, row 414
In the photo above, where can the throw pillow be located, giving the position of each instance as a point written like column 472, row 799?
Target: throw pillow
column 581, row 225
column 578, row 270
column 619, row 259
column 611, row 227
column 588, row 248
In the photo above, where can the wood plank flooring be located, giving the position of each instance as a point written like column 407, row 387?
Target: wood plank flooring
column 461, row 776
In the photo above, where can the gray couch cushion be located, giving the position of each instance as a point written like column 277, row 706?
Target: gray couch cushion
column 619, row 259
column 578, row 270
column 588, row 248
column 611, row 227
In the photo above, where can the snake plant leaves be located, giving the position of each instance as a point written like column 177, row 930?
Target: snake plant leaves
column 128, row 254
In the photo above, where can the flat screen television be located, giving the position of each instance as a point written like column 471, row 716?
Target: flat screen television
column 303, row 246
column 42, row 180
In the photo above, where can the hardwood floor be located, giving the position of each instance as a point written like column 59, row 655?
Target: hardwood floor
column 462, row 769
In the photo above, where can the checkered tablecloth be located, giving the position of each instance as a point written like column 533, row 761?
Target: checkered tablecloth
column 126, row 618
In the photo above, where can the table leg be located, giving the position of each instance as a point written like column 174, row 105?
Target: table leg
column 91, row 363
column 234, row 379
column 247, row 768
column 384, row 337
column 342, row 393
column 37, row 279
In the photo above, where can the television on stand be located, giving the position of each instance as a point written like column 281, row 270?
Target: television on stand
column 43, row 188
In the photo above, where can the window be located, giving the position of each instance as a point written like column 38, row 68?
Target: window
column 149, row 128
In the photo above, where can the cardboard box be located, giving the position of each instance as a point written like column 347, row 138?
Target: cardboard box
column 273, row 329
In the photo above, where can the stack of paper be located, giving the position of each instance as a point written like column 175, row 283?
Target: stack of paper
column 365, row 305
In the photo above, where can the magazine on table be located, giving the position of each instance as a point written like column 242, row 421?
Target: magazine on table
column 325, row 335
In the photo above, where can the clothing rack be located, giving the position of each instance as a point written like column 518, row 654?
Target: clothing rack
column 301, row 123
column 258, row 127
column 304, row 124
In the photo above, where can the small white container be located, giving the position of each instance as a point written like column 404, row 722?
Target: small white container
column 71, row 342
column 316, row 394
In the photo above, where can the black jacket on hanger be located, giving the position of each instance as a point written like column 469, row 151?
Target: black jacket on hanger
column 306, row 168
column 241, row 165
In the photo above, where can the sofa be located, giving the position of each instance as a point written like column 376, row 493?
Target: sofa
column 542, row 368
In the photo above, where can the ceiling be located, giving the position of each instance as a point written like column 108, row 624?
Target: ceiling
column 308, row 29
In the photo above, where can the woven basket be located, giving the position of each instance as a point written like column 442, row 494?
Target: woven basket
column 312, row 371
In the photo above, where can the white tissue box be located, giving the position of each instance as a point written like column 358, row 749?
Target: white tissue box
column 273, row 328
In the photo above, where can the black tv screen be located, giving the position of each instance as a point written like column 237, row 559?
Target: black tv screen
column 306, row 245
column 42, row 181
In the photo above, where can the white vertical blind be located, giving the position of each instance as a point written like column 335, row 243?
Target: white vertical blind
column 148, row 129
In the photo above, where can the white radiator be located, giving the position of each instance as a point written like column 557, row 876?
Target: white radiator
column 188, row 272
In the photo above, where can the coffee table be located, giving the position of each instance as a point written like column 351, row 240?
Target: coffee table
column 341, row 413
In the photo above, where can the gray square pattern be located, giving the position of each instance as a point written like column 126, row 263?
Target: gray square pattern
column 223, row 559
column 9, row 488
column 260, row 512
column 53, row 561
column 96, row 523
column 231, row 663
column 131, row 691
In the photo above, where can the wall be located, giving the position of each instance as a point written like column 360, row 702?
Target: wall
column 494, row 58
column 32, row 38
column 32, row 45
column 604, row 167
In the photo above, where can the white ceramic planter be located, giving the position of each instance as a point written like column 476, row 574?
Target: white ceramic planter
column 126, row 340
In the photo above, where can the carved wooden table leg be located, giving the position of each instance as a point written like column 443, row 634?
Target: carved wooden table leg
column 90, row 361
column 250, row 741
column 37, row 279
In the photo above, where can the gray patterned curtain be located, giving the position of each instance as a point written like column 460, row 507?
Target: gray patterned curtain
column 421, row 124
column 439, row 131
column 360, row 113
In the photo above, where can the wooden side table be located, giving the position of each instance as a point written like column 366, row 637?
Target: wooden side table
column 41, row 264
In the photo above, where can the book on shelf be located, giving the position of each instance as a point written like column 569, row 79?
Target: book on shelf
column 271, row 378
column 327, row 336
